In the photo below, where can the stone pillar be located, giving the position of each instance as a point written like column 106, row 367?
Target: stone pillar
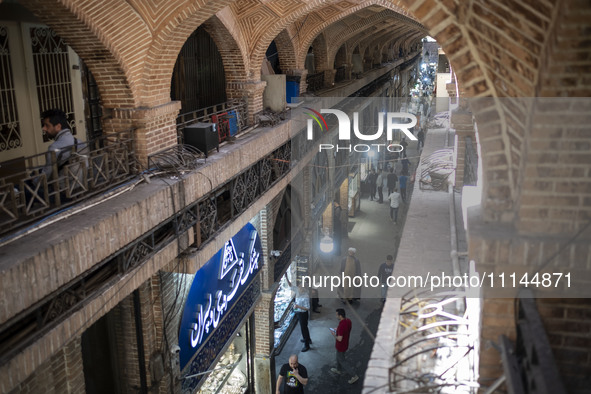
column 463, row 124
column 155, row 128
column 264, row 334
column 252, row 91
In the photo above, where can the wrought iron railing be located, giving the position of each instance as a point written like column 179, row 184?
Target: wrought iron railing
column 27, row 193
column 315, row 81
column 230, row 118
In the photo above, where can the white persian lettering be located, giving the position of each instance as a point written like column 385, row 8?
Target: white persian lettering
column 232, row 263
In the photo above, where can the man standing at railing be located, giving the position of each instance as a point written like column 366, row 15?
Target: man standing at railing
column 55, row 127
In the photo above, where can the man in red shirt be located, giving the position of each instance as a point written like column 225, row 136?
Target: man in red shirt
column 341, row 335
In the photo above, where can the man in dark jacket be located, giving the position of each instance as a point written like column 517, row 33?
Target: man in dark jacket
column 392, row 179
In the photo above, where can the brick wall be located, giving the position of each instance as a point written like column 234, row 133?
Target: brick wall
column 233, row 56
column 320, row 49
column 499, row 248
column 155, row 128
column 264, row 327
column 286, row 51
column 568, row 326
column 62, row 373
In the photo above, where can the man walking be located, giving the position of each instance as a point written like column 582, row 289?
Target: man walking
column 421, row 138
column 392, row 179
column 404, row 145
column 394, row 198
column 403, row 179
column 350, row 268
column 295, row 376
column 379, row 184
column 341, row 335
column 371, row 178
column 384, row 272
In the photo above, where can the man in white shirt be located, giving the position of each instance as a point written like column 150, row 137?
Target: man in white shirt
column 394, row 198
column 379, row 184
column 301, row 309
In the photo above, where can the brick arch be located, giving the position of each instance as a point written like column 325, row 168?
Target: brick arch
column 234, row 66
column 91, row 41
column 463, row 36
column 360, row 32
column 286, row 50
column 320, row 50
column 263, row 37
column 336, row 36
column 169, row 36
column 360, row 36
column 342, row 56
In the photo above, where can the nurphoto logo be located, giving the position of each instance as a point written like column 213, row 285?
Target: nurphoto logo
column 393, row 120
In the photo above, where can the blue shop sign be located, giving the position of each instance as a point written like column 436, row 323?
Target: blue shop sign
column 216, row 288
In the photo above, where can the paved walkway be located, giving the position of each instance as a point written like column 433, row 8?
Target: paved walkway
column 425, row 240
column 424, row 248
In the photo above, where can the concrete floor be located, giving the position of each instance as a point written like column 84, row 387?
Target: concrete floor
column 374, row 236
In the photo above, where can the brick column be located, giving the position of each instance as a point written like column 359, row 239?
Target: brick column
column 306, row 190
column 348, row 71
column 329, row 76
column 62, row 373
column 266, row 234
column 303, row 74
column 463, row 124
column 252, row 91
column 499, row 247
column 155, row 128
column 264, row 335
column 127, row 343
column 67, row 368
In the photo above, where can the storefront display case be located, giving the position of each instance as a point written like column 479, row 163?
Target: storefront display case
column 229, row 374
column 284, row 301
column 284, row 314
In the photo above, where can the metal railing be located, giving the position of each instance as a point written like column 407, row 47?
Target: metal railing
column 315, row 81
column 27, row 193
column 230, row 118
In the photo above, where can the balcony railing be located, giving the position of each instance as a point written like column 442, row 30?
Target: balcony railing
column 315, row 81
column 230, row 117
column 28, row 194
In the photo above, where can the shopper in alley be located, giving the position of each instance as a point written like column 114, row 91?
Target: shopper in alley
column 341, row 335
column 294, row 377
